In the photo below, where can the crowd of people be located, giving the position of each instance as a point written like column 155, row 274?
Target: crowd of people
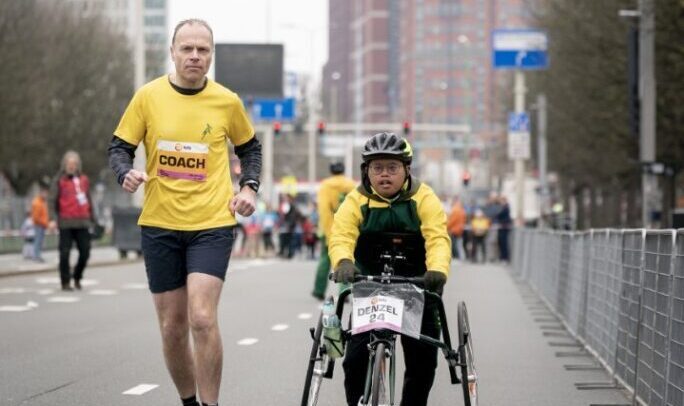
column 480, row 233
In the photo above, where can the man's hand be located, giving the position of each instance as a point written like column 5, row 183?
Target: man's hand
column 434, row 281
column 345, row 271
column 244, row 202
column 133, row 180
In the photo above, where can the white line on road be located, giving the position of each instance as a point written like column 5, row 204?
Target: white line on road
column 280, row 327
column 103, row 292
column 63, row 299
column 304, row 316
column 12, row 290
column 141, row 389
column 48, row 280
column 45, row 291
column 134, row 286
column 248, row 341
column 14, row 308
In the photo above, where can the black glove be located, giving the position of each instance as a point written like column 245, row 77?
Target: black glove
column 434, row 281
column 345, row 271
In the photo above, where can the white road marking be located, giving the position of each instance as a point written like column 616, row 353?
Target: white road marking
column 63, row 299
column 12, row 290
column 14, row 308
column 32, row 304
column 89, row 282
column 248, row 341
column 102, row 292
column 134, row 286
column 280, row 327
column 48, row 280
column 45, row 291
column 141, row 389
column 304, row 316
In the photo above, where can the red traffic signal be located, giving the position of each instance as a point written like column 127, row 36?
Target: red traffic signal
column 276, row 128
column 466, row 178
column 320, row 128
column 407, row 128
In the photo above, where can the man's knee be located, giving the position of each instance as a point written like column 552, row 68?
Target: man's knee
column 202, row 319
column 174, row 330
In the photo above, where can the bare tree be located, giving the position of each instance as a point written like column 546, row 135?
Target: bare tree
column 66, row 80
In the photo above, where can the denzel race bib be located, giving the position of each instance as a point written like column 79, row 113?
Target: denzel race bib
column 376, row 312
column 182, row 160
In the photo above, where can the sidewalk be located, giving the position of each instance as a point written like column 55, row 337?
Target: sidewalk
column 15, row 264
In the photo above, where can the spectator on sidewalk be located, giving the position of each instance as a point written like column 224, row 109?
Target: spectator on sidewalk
column 73, row 209
column 505, row 224
column 28, row 234
column 40, row 218
column 456, row 225
column 479, row 228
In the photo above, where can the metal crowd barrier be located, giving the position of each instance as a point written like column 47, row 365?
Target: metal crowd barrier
column 621, row 294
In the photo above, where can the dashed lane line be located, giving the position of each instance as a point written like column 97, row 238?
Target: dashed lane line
column 141, row 389
column 304, row 316
column 248, row 341
column 280, row 327
column 64, row 299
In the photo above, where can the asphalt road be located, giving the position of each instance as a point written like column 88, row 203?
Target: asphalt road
column 91, row 347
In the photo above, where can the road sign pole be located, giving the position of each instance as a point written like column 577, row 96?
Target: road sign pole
column 519, row 91
column 647, row 94
column 541, row 152
column 312, row 151
column 267, row 184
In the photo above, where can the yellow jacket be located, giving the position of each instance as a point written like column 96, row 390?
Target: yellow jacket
column 330, row 194
column 419, row 200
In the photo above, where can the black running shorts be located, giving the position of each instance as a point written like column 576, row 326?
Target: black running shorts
column 170, row 255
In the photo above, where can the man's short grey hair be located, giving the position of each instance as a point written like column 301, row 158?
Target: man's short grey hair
column 192, row 21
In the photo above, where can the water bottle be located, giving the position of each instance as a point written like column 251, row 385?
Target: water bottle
column 332, row 333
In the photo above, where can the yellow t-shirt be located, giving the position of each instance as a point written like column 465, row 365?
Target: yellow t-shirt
column 185, row 138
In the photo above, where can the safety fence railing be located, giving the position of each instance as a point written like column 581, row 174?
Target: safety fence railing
column 621, row 294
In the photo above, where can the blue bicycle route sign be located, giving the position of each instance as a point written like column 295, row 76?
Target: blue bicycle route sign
column 273, row 109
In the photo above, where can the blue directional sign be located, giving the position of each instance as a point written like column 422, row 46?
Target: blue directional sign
column 518, row 122
column 273, row 109
column 519, row 49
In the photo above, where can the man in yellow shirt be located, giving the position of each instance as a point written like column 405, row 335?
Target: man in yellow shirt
column 331, row 193
column 391, row 200
column 185, row 122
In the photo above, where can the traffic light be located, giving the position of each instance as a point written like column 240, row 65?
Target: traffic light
column 407, row 128
column 276, row 128
column 321, row 128
column 466, row 178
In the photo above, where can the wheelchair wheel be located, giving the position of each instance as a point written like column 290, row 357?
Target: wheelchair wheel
column 320, row 366
column 466, row 357
column 379, row 382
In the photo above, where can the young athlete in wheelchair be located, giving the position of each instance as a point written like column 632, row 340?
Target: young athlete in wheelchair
column 390, row 200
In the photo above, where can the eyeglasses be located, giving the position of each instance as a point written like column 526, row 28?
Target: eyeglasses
column 377, row 169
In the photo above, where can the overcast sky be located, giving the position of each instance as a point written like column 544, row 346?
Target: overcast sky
column 301, row 25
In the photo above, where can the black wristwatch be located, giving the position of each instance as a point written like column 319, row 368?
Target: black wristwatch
column 252, row 184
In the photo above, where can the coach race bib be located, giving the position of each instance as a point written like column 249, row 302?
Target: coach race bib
column 182, row 160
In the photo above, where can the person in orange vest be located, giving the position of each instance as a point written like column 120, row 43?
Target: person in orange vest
column 456, row 225
column 41, row 220
column 480, row 227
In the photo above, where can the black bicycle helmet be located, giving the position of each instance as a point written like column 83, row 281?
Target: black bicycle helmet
column 387, row 145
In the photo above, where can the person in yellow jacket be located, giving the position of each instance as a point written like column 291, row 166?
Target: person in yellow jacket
column 331, row 193
column 479, row 226
column 390, row 200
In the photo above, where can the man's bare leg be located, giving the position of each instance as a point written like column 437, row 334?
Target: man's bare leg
column 204, row 292
column 172, row 312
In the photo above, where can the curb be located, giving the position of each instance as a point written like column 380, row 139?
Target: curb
column 55, row 268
